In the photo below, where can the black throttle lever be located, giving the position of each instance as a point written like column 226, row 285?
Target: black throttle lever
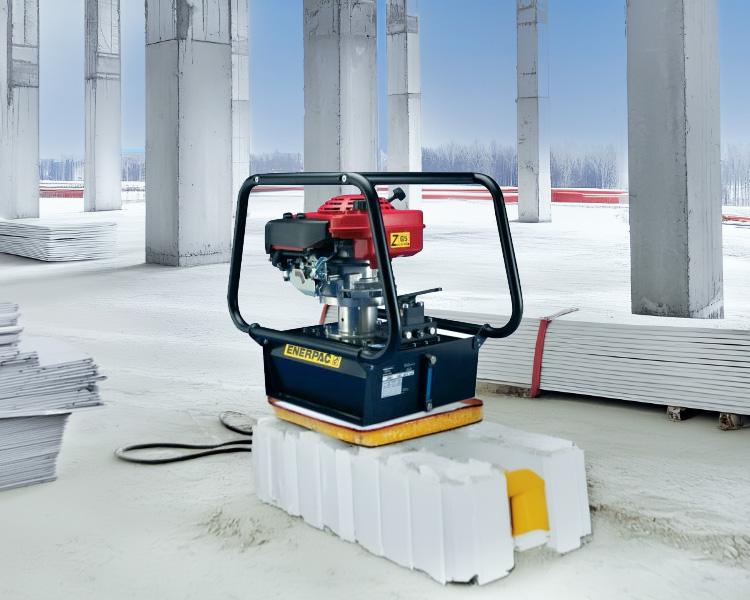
column 398, row 194
column 410, row 298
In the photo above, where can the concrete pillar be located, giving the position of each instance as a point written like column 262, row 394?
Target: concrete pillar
column 404, row 94
column 188, row 131
column 7, row 206
column 341, row 117
column 674, row 158
column 19, row 108
column 103, row 172
column 534, row 193
column 240, row 95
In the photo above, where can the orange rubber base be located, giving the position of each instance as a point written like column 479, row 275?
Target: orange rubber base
column 413, row 426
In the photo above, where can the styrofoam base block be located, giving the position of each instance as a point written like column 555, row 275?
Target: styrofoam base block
column 437, row 504
column 559, row 462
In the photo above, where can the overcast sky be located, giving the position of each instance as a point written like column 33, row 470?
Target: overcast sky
column 468, row 79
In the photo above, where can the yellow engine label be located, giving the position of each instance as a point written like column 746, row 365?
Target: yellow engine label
column 400, row 239
column 315, row 357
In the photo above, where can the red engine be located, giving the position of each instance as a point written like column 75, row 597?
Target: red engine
column 348, row 220
column 345, row 218
column 330, row 254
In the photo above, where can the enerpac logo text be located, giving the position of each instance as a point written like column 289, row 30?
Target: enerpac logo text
column 315, row 357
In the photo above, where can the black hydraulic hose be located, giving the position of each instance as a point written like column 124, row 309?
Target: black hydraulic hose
column 210, row 449
column 228, row 419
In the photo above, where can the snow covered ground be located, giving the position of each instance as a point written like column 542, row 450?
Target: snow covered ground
column 671, row 501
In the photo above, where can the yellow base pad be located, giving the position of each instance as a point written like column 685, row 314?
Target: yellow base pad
column 465, row 413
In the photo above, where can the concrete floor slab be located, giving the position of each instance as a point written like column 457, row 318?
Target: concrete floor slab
column 670, row 499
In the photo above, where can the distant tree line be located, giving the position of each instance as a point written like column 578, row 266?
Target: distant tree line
column 134, row 166
column 592, row 168
column 72, row 169
column 495, row 160
column 735, row 176
column 60, row 169
column 596, row 167
column 276, row 162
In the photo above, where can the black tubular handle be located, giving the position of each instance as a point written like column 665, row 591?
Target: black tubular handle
column 503, row 229
column 366, row 183
column 263, row 334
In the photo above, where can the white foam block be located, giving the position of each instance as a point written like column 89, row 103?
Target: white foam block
column 559, row 462
column 345, row 495
column 437, row 504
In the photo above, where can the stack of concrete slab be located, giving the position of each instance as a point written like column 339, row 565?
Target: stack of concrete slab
column 57, row 240
column 449, row 504
column 29, row 447
column 686, row 365
column 10, row 332
column 41, row 382
column 53, row 376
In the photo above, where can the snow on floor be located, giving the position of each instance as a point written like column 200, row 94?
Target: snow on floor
column 671, row 500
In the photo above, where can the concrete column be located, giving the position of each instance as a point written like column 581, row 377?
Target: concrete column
column 674, row 158
column 7, row 206
column 240, row 95
column 19, row 108
column 341, row 117
column 534, row 193
column 188, row 131
column 404, row 94
column 103, row 172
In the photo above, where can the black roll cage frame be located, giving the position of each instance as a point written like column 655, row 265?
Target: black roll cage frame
column 367, row 182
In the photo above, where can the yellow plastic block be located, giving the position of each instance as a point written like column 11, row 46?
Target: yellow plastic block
column 528, row 504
